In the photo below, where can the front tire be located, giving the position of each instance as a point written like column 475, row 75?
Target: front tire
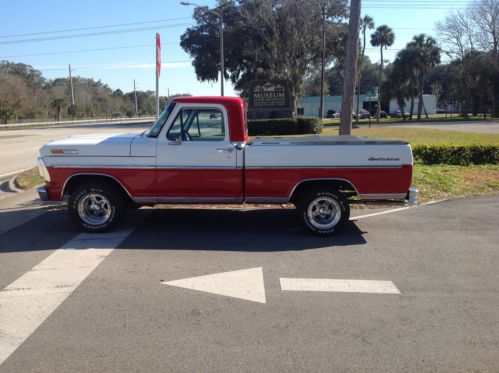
column 96, row 207
column 324, row 211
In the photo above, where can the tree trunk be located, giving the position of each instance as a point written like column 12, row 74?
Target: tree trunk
column 379, row 85
column 350, row 68
column 420, row 102
column 412, row 102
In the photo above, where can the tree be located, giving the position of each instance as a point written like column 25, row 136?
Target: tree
column 57, row 104
column 368, row 77
column 427, row 56
column 350, row 68
column 365, row 23
column 264, row 39
column 72, row 111
column 457, row 34
column 401, row 80
column 476, row 29
column 383, row 37
column 6, row 112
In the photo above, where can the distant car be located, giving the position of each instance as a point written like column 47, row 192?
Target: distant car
column 363, row 114
column 383, row 114
column 330, row 113
column 398, row 114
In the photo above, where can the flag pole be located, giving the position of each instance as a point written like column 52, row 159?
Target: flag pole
column 158, row 71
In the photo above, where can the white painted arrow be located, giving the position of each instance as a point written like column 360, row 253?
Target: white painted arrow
column 244, row 284
column 341, row 286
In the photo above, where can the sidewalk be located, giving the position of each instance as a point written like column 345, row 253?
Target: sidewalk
column 20, row 208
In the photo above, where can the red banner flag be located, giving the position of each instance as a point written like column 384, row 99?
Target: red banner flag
column 158, row 55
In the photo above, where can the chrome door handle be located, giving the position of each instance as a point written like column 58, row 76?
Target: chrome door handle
column 229, row 149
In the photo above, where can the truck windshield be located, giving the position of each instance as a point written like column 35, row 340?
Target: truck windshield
column 156, row 127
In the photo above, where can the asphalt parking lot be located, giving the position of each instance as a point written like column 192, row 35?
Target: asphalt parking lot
column 246, row 291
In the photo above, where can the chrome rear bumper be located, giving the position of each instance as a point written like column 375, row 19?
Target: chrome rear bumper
column 412, row 196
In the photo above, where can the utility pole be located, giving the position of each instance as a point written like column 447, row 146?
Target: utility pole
column 222, row 62
column 72, row 109
column 350, row 68
column 323, row 62
column 71, row 83
column 135, row 96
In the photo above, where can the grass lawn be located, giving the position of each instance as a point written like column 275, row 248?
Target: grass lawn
column 431, row 118
column 29, row 179
column 419, row 136
column 445, row 181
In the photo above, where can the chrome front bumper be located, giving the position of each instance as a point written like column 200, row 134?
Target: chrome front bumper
column 42, row 193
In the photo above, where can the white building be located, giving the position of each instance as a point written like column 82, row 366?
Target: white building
column 311, row 104
column 429, row 102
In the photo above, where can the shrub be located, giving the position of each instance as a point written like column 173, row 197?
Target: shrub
column 284, row 126
column 462, row 155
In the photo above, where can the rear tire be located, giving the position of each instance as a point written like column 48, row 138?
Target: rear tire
column 324, row 211
column 96, row 207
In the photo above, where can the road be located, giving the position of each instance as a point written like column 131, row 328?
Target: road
column 19, row 148
column 184, row 290
column 480, row 127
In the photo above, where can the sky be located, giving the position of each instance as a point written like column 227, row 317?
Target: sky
column 114, row 41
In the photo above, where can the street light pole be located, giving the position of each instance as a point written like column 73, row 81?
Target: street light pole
column 221, row 32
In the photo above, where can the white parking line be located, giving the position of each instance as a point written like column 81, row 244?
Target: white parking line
column 341, row 286
column 16, row 172
column 27, row 302
column 381, row 213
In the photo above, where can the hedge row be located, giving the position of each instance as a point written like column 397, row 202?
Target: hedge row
column 285, row 126
column 462, row 155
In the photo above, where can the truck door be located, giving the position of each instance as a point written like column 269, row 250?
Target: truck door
column 196, row 161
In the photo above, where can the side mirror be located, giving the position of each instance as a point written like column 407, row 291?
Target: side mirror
column 177, row 141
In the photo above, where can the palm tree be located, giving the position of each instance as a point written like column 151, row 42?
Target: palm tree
column 383, row 37
column 428, row 56
column 57, row 104
column 365, row 23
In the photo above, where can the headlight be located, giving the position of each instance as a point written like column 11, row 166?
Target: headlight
column 42, row 169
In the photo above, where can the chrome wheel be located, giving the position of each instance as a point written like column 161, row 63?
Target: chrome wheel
column 94, row 209
column 324, row 212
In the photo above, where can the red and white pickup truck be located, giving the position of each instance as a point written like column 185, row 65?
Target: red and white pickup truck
column 198, row 151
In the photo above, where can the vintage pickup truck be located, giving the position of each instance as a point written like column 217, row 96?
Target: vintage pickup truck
column 198, row 151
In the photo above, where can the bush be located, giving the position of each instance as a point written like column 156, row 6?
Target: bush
column 284, row 126
column 462, row 155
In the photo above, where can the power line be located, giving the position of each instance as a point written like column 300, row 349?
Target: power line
column 112, row 66
column 86, row 50
column 92, row 27
column 112, row 32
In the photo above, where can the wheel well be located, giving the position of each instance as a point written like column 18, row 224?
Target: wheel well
column 77, row 180
column 343, row 186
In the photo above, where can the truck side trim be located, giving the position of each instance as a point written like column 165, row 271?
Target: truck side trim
column 116, row 167
column 93, row 174
column 320, row 167
column 186, row 200
column 326, row 180
column 266, row 200
column 383, row 196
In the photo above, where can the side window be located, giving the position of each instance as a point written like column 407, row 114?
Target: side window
column 177, row 129
column 198, row 125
